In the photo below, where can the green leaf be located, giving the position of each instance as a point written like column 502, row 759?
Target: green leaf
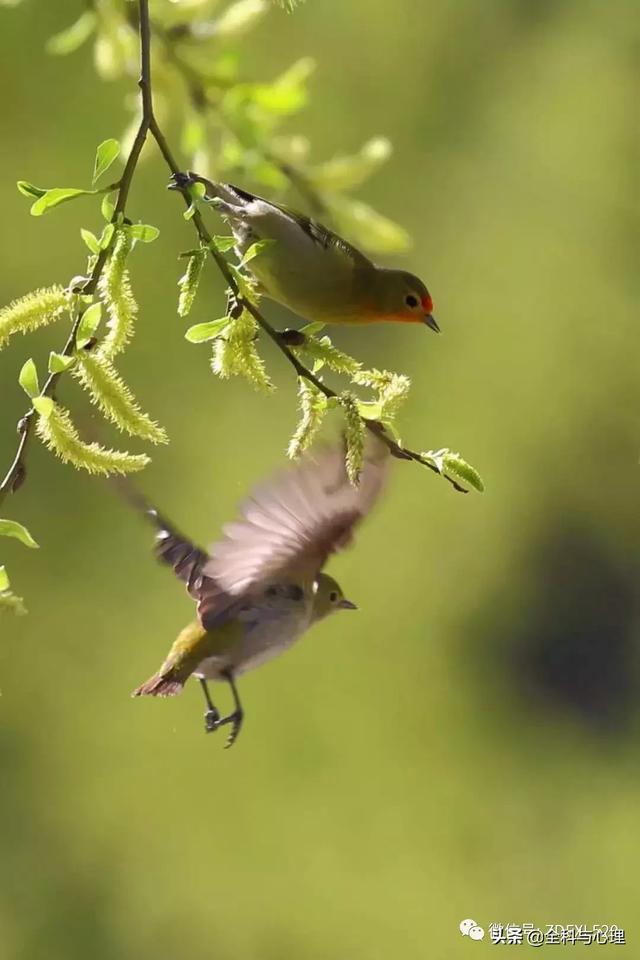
column 143, row 232
column 207, row 331
column 454, row 466
column 255, row 250
column 323, row 351
column 196, row 192
column 89, row 323
column 10, row 528
column 91, row 240
column 30, row 190
column 106, row 236
column 28, row 379
column 222, row 244
column 4, row 580
column 58, row 362
column 107, row 207
column 107, row 152
column 56, row 196
column 43, row 406
column 310, row 328
column 370, row 409
column 69, row 40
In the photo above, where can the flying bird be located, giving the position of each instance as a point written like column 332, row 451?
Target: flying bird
column 309, row 269
column 261, row 587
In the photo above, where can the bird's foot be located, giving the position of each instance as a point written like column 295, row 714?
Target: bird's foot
column 179, row 181
column 292, row 338
column 211, row 720
column 235, row 719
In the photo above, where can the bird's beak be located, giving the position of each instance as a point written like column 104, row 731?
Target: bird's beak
column 430, row 321
column 347, row 604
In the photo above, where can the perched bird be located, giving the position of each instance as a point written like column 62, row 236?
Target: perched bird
column 311, row 270
column 262, row 586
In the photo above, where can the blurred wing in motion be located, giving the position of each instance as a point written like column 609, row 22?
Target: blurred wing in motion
column 296, row 521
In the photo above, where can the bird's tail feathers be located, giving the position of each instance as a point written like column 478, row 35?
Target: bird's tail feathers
column 159, row 685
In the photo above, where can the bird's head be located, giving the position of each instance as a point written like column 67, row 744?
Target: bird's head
column 329, row 597
column 403, row 297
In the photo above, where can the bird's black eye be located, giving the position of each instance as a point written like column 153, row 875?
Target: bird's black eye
column 333, row 596
column 411, row 301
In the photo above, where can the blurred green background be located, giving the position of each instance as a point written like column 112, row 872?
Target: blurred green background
column 468, row 743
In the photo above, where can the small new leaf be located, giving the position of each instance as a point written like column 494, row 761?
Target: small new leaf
column 255, row 250
column 59, row 363
column 189, row 282
column 107, row 207
column 10, row 528
column 106, row 236
column 310, row 329
column 323, row 352
column 196, row 192
column 91, row 240
column 107, row 152
column 43, row 406
column 58, row 433
column 89, row 323
column 32, row 311
column 4, row 580
column 144, row 232
column 207, row 331
column 28, row 379
column 223, row 244
column 452, row 465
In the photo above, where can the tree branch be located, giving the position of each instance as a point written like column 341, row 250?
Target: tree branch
column 149, row 125
column 374, row 426
column 16, row 474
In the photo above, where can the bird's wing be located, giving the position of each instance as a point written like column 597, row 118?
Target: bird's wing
column 296, row 521
column 316, row 231
column 215, row 607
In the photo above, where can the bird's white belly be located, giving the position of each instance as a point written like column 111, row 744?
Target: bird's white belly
column 262, row 641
